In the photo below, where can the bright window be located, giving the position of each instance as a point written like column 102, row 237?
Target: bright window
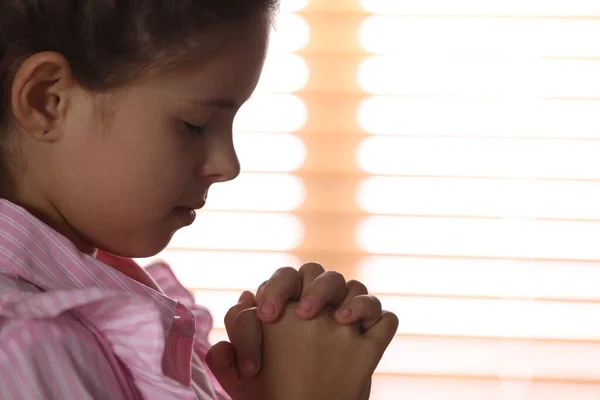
column 447, row 154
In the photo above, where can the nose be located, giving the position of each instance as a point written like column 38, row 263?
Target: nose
column 221, row 164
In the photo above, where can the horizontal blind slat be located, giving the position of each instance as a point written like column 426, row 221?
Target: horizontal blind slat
column 485, row 157
column 431, row 388
column 519, row 238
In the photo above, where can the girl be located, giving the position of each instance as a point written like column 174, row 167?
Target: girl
column 115, row 120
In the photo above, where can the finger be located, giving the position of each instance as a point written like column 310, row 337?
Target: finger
column 284, row 286
column 355, row 288
column 246, row 337
column 246, row 301
column 383, row 331
column 364, row 309
column 222, row 362
column 309, row 272
column 329, row 288
column 260, row 290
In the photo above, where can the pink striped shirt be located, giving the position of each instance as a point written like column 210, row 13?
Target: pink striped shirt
column 72, row 327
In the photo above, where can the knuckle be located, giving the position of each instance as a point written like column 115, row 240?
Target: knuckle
column 390, row 323
column 357, row 286
column 231, row 315
column 394, row 320
column 262, row 286
column 287, row 272
column 335, row 276
column 260, row 291
column 312, row 268
column 376, row 302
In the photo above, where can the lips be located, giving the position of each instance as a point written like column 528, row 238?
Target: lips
column 197, row 206
column 185, row 215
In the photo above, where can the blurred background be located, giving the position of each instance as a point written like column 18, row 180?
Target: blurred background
column 447, row 154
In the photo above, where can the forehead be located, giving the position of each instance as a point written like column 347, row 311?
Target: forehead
column 232, row 71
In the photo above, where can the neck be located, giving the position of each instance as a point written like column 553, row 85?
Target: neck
column 127, row 267
column 46, row 212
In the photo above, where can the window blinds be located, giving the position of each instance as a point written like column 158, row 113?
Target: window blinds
column 447, row 154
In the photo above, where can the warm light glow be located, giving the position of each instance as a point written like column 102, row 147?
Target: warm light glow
column 421, row 36
column 480, row 277
column 480, row 77
column 218, row 335
column 560, row 8
column 477, row 204
column 271, row 113
column 283, row 73
column 460, row 116
column 496, row 318
column 480, row 197
column 270, row 152
column 502, row 158
column 444, row 388
column 218, row 303
column 510, row 238
column 287, row 6
column 291, row 33
column 241, row 231
column 258, row 192
column 509, row 359
column 223, row 270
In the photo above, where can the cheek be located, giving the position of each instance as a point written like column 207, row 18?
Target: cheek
column 126, row 176
column 144, row 181
column 149, row 157
column 118, row 187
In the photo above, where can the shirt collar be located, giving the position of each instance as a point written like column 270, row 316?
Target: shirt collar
column 32, row 251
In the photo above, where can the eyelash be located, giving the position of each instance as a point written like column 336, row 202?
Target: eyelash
column 193, row 129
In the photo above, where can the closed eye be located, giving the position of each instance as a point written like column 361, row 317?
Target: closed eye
column 194, row 129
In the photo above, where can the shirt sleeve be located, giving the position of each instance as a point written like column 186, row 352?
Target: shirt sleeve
column 53, row 359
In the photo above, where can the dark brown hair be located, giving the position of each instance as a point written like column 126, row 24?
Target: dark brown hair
column 109, row 42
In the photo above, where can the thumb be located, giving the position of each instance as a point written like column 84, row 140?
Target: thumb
column 221, row 359
column 384, row 330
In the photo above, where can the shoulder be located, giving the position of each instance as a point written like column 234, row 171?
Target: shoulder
column 42, row 339
column 54, row 358
column 46, row 352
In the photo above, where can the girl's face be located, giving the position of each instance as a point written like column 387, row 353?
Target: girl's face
column 123, row 175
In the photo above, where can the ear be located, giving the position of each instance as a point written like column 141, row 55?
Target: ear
column 39, row 94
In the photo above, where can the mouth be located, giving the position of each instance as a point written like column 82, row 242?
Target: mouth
column 197, row 206
column 186, row 215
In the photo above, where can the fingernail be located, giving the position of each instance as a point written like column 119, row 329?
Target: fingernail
column 268, row 308
column 242, row 297
column 307, row 304
column 249, row 367
column 345, row 312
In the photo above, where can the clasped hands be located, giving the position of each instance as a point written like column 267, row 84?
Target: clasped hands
column 307, row 334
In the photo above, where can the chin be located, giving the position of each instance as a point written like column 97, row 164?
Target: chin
column 143, row 246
